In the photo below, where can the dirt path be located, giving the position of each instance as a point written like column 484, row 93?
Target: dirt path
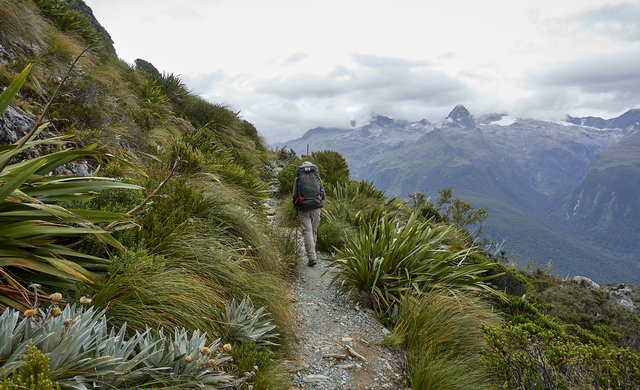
column 338, row 341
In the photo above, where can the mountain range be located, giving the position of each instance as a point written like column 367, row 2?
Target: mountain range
column 560, row 192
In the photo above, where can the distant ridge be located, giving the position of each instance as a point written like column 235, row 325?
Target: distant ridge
column 526, row 171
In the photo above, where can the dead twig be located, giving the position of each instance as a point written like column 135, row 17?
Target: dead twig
column 355, row 354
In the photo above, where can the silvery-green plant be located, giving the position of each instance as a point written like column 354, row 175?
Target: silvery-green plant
column 242, row 322
column 84, row 353
column 189, row 358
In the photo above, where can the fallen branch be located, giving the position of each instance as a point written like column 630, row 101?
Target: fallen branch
column 355, row 354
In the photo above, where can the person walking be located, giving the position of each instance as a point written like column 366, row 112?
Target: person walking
column 308, row 194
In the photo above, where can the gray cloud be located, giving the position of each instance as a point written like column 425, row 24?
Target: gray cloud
column 283, row 108
column 619, row 21
column 295, row 58
column 616, row 73
column 373, row 78
column 593, row 85
column 204, row 83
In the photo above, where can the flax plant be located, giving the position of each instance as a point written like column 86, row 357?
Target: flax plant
column 388, row 259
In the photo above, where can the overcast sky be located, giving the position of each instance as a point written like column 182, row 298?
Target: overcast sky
column 292, row 65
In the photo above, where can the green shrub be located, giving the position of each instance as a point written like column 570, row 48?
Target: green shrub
column 528, row 356
column 32, row 374
column 332, row 166
column 332, row 234
column 267, row 376
column 178, row 203
column 287, row 176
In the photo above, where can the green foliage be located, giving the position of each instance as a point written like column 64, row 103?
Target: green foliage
column 32, row 374
column 444, row 340
column 178, row 203
column 34, row 228
column 450, row 210
column 154, row 99
column 597, row 316
column 242, row 322
column 172, row 87
column 247, row 357
column 528, row 356
column 148, row 68
column 333, row 167
column 354, row 202
column 283, row 155
column 287, row 176
column 146, row 290
column 333, row 233
column 387, row 259
column 59, row 12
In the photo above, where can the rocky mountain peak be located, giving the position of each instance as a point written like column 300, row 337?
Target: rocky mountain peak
column 381, row 120
column 459, row 117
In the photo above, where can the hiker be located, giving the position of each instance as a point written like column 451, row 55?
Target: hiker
column 308, row 195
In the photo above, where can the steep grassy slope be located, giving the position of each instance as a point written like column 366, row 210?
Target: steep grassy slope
column 200, row 243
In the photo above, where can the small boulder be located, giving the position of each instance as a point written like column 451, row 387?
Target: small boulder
column 622, row 295
column 584, row 281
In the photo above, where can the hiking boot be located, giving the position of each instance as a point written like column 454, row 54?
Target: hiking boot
column 311, row 263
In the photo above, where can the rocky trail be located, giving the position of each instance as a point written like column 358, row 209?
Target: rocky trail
column 338, row 341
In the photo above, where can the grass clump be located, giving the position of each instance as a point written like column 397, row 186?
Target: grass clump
column 148, row 290
column 444, row 340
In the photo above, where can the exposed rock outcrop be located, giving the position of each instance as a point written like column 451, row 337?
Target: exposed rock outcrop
column 621, row 294
column 584, row 281
column 13, row 125
column 83, row 9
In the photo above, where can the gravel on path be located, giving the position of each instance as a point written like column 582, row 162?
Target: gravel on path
column 338, row 339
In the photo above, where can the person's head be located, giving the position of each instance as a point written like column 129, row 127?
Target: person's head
column 307, row 166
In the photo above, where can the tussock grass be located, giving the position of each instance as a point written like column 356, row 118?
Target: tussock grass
column 146, row 290
column 230, row 269
column 444, row 340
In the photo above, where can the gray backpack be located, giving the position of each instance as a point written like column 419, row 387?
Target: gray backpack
column 309, row 185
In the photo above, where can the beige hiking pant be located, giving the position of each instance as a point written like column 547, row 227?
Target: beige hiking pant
column 309, row 222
